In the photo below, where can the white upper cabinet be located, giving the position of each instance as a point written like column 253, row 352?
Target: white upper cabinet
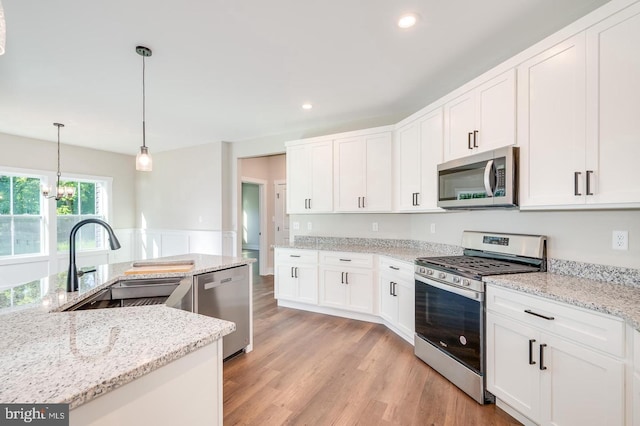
column 362, row 166
column 481, row 119
column 418, row 151
column 310, row 177
column 613, row 109
column 551, row 125
column 578, row 127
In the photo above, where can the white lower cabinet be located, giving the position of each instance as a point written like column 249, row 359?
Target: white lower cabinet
column 346, row 281
column 296, row 277
column 635, row 385
column 539, row 365
column 397, row 296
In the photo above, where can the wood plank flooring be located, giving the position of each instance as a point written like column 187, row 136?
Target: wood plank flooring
column 313, row 369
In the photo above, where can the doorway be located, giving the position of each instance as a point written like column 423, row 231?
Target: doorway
column 254, row 219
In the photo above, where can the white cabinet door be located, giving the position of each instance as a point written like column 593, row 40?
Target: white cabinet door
column 347, row 288
column 460, row 116
column 321, row 169
column 579, row 386
column 408, row 166
column 405, row 293
column 510, row 376
column 298, row 179
column 613, row 108
column 388, row 302
column 351, row 173
column 310, row 177
column 482, row 119
column 363, row 173
column 307, row 283
column 378, row 160
column 551, row 125
column 285, row 282
column 496, row 113
column 418, row 152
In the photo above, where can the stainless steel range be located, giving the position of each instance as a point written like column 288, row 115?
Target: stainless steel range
column 450, row 311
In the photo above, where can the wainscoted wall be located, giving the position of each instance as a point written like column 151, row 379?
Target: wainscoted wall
column 136, row 244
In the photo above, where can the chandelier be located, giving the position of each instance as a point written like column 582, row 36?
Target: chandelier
column 60, row 191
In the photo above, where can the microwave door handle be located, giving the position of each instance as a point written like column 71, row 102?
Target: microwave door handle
column 487, row 178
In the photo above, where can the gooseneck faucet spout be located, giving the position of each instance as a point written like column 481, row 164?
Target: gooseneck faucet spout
column 72, row 276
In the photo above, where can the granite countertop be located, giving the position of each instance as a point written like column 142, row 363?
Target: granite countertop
column 620, row 298
column 50, row 356
column 610, row 298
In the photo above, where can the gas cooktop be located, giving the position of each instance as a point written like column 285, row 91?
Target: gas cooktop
column 480, row 266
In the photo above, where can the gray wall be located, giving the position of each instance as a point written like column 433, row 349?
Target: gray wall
column 251, row 216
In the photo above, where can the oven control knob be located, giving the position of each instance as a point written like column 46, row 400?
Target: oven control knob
column 456, row 280
column 466, row 282
column 442, row 275
column 429, row 272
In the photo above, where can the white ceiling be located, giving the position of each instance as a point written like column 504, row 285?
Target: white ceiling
column 235, row 70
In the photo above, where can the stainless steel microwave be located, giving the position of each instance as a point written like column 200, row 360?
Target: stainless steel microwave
column 481, row 181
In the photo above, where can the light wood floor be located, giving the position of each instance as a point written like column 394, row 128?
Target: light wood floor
column 313, row 369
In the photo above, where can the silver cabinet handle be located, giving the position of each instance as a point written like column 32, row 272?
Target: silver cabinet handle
column 487, row 178
column 589, row 173
column 576, row 177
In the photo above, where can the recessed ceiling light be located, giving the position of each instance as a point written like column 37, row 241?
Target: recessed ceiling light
column 307, row 106
column 408, row 20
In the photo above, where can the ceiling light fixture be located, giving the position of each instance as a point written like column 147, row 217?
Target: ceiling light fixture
column 408, row 20
column 3, row 30
column 61, row 191
column 307, row 106
column 144, row 162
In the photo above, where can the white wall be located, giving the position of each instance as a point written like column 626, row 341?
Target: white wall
column 184, row 190
column 573, row 235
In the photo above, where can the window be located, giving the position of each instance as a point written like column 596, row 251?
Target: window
column 88, row 201
column 21, row 220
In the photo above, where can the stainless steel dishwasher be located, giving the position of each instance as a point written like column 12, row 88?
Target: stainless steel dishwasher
column 225, row 294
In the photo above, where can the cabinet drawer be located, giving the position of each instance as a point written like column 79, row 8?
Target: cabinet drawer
column 396, row 267
column 296, row 256
column 599, row 331
column 354, row 260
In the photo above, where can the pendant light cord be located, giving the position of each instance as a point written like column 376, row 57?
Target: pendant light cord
column 143, row 104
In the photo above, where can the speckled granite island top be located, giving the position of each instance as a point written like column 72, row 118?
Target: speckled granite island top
column 616, row 299
column 72, row 357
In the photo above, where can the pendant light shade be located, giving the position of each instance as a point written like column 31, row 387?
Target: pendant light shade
column 3, row 30
column 144, row 162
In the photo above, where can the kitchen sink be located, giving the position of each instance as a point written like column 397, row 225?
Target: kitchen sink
column 133, row 292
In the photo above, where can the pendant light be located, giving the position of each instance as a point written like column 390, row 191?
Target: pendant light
column 144, row 162
column 61, row 191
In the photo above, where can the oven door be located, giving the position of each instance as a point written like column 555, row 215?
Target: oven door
column 451, row 319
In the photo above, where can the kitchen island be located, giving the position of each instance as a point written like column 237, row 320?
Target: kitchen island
column 148, row 364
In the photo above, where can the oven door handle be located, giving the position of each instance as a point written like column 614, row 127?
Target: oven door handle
column 488, row 169
column 469, row 294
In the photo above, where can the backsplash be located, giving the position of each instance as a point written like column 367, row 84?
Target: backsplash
column 606, row 273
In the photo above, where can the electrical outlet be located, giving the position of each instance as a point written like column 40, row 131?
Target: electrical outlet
column 620, row 240
column 433, row 228
column 309, row 226
column 374, row 226
column 296, row 226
